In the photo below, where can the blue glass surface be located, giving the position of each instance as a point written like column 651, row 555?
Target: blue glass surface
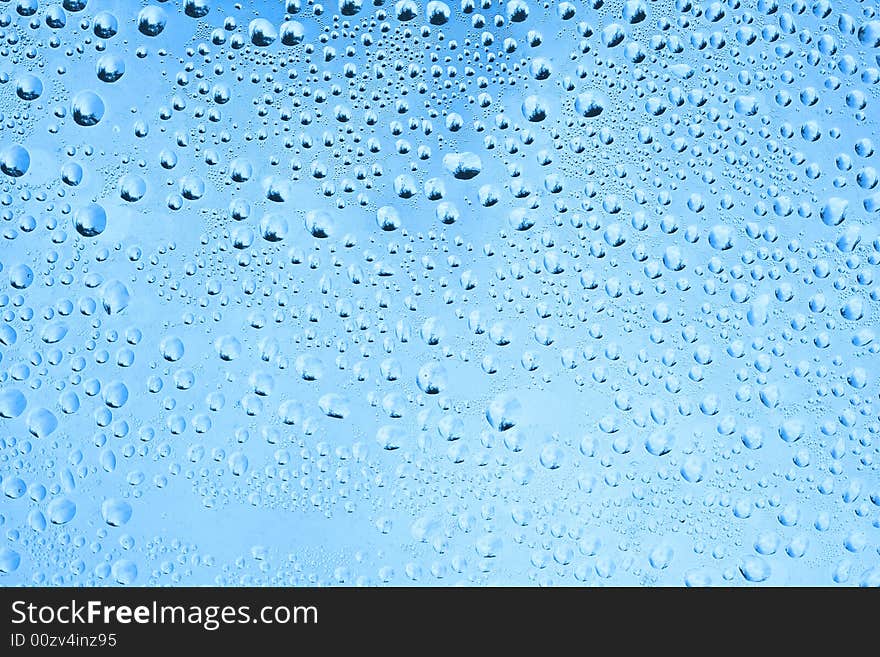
column 465, row 292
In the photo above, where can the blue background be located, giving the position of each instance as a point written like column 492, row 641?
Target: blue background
column 669, row 309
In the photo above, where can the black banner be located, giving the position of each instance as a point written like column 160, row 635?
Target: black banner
column 132, row 620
